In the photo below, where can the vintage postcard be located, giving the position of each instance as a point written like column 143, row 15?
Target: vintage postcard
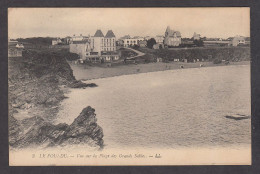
column 129, row 86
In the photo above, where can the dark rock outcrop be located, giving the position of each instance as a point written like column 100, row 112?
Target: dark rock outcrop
column 36, row 131
column 37, row 83
column 79, row 84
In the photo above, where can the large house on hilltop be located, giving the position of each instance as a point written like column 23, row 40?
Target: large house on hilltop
column 97, row 48
column 99, row 42
column 172, row 37
column 159, row 39
column 128, row 41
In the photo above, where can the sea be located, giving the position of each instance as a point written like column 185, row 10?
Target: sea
column 184, row 108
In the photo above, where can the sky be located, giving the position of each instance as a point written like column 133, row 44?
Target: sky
column 62, row 22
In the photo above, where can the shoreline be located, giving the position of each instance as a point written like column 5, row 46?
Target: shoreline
column 86, row 73
column 32, row 114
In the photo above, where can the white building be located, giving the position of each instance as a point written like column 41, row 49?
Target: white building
column 81, row 48
column 238, row 40
column 56, row 41
column 130, row 41
column 77, row 38
column 100, row 43
column 97, row 47
column 159, row 39
column 172, row 37
column 19, row 45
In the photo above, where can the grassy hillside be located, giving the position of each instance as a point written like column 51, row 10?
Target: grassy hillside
column 37, row 82
column 37, row 40
column 208, row 54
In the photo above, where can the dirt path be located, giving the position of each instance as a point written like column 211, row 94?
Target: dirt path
column 139, row 53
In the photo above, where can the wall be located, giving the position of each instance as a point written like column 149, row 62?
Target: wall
column 79, row 49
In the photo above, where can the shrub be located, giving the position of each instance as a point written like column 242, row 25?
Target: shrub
column 198, row 43
column 150, row 43
column 217, row 61
column 136, row 47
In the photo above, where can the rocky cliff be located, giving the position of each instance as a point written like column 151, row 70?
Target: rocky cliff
column 36, row 131
column 37, row 82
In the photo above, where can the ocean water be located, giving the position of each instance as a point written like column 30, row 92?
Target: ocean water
column 168, row 109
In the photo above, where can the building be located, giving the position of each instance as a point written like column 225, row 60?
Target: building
column 159, row 39
column 128, row 41
column 12, row 43
column 100, row 43
column 77, row 38
column 19, row 45
column 158, row 46
column 143, row 43
column 121, row 40
column 109, row 41
column 238, row 40
column 98, row 48
column 172, row 38
column 56, row 41
column 159, row 59
column 81, row 48
column 67, row 40
column 196, row 36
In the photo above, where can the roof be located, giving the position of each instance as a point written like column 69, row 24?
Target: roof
column 178, row 33
column 98, row 34
column 126, row 37
column 143, row 42
column 171, row 32
column 137, row 37
column 110, row 34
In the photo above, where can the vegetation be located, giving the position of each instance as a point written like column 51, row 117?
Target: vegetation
column 126, row 53
column 37, row 40
column 208, row 54
column 135, row 47
column 198, row 43
column 150, row 43
column 217, row 61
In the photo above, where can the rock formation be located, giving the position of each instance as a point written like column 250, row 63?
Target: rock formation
column 36, row 85
column 37, row 131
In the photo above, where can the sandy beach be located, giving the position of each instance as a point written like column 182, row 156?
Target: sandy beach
column 86, row 72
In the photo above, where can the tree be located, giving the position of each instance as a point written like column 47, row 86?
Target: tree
column 151, row 42
column 198, row 43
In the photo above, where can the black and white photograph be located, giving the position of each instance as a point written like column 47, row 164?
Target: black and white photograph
column 129, row 86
